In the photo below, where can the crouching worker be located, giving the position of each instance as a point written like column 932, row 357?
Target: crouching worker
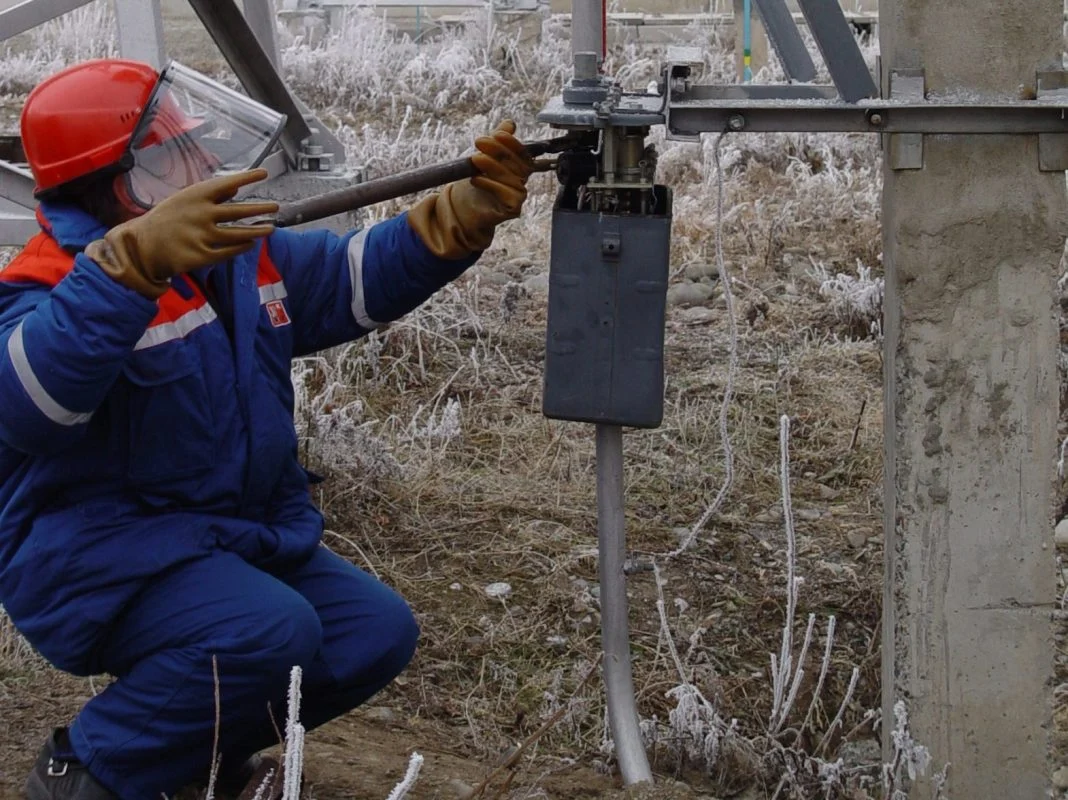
column 153, row 513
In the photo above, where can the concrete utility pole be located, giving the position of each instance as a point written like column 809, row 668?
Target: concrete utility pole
column 972, row 243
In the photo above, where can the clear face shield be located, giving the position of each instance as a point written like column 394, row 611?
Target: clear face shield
column 192, row 129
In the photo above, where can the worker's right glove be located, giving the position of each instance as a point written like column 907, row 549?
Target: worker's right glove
column 461, row 219
column 182, row 234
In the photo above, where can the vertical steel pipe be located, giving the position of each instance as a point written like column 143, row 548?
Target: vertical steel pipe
column 587, row 23
column 611, row 542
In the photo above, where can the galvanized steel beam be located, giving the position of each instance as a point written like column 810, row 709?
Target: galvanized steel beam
column 839, row 49
column 786, row 39
column 260, row 17
column 16, row 227
column 701, row 116
column 253, row 67
column 31, row 13
column 140, row 25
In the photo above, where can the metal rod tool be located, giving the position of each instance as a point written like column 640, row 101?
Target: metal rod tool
column 380, row 190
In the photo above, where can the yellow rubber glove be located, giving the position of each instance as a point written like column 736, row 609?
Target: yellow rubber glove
column 461, row 218
column 181, row 234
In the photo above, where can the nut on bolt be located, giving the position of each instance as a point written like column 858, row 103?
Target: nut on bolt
column 736, row 122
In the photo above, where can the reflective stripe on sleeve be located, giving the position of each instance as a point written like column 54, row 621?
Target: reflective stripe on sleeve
column 273, row 291
column 359, row 303
column 16, row 351
column 179, row 329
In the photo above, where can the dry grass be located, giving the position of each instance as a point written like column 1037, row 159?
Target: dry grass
column 444, row 478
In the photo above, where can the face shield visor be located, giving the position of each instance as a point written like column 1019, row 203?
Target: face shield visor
column 192, row 129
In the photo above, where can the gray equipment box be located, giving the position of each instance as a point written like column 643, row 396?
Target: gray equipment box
column 604, row 344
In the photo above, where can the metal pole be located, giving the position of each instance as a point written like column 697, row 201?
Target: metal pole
column 391, row 187
column 140, row 26
column 747, row 42
column 611, row 542
column 586, row 28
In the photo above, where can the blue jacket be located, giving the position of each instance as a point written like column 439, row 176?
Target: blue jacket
column 136, row 435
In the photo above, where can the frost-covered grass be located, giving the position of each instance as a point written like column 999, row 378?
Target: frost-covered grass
column 87, row 32
column 445, row 480
column 444, row 474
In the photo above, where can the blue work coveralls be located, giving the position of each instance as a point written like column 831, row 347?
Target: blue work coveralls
column 153, row 512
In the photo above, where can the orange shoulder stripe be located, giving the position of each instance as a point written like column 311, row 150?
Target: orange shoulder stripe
column 266, row 271
column 42, row 261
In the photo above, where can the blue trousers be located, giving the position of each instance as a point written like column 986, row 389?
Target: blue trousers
column 151, row 731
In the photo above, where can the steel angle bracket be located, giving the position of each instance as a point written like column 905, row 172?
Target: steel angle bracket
column 684, row 65
column 1051, row 86
column 904, row 151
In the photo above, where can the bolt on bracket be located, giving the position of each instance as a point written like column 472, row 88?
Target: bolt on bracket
column 905, row 150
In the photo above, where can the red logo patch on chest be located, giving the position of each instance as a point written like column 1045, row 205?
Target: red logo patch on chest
column 276, row 312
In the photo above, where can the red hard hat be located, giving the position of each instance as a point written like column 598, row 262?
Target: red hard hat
column 80, row 120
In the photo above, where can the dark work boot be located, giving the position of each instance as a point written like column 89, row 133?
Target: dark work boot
column 59, row 775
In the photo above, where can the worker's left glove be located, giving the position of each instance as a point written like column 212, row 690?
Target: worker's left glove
column 460, row 220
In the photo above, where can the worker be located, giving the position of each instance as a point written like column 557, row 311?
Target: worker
column 155, row 523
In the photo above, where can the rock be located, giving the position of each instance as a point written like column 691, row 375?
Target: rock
column 499, row 590
column 825, row 492
column 697, row 315
column 1060, row 778
column 856, row 539
column 689, row 294
column 489, row 277
column 702, row 272
column 663, row 790
column 808, row 514
column 461, row 790
column 1060, row 533
column 861, row 753
column 381, row 714
column 537, row 284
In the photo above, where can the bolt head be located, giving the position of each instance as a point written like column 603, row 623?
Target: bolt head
column 876, row 119
column 736, row 122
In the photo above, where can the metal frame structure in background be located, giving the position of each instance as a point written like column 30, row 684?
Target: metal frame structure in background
column 593, row 102
column 328, row 11
column 311, row 160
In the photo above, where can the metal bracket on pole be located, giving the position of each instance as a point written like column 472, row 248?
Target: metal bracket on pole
column 1052, row 147
column 905, row 150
